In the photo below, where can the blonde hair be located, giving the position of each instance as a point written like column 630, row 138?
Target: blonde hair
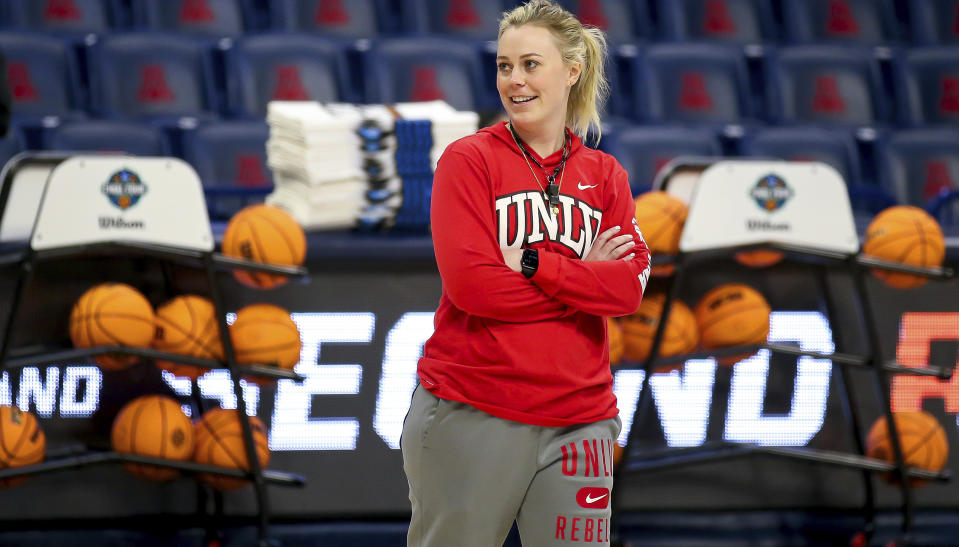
column 577, row 43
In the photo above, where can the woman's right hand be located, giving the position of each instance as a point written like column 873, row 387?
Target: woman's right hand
column 608, row 247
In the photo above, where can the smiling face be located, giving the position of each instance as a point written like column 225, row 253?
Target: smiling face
column 532, row 79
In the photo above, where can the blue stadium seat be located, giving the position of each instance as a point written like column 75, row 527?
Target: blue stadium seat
column 821, row 84
column 927, row 85
column 644, row 150
column 867, row 201
column 43, row 75
column 934, row 21
column 867, row 22
column 424, row 69
column 213, row 18
column 736, row 21
column 691, row 83
column 945, row 209
column 230, row 158
column 292, row 67
column 151, row 76
column 339, row 18
column 618, row 103
column 71, row 17
column 108, row 136
column 11, row 144
column 836, row 148
column 918, row 165
column 477, row 19
column 624, row 21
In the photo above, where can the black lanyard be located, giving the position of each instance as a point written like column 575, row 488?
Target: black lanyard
column 552, row 190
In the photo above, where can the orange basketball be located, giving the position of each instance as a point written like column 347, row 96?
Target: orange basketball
column 680, row 336
column 153, row 426
column 907, row 235
column 762, row 258
column 661, row 217
column 22, row 442
column 921, row 437
column 219, row 441
column 112, row 314
column 265, row 334
column 615, row 334
column 187, row 325
column 732, row 315
column 264, row 233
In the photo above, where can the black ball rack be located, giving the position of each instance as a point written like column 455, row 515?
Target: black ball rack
column 27, row 261
column 857, row 265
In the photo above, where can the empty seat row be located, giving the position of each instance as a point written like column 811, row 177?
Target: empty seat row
column 151, row 75
column 226, row 154
column 917, row 166
column 906, row 166
column 869, row 22
column 229, row 156
column 222, row 18
column 823, row 84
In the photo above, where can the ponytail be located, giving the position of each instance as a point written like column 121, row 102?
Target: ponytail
column 590, row 92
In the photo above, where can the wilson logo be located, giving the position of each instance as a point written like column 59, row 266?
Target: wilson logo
column 119, row 222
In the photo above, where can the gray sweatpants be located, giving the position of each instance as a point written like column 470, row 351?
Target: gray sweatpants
column 472, row 474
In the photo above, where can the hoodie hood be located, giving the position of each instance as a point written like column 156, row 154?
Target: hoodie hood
column 500, row 132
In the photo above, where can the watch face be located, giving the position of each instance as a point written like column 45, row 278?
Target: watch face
column 529, row 261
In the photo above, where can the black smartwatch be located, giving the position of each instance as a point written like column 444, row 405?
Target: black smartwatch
column 530, row 262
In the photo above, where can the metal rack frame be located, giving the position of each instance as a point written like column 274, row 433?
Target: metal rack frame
column 27, row 261
column 857, row 265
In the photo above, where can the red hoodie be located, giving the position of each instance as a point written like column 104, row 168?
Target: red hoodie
column 528, row 350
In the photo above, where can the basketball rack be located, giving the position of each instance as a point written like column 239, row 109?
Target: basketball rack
column 858, row 265
column 28, row 260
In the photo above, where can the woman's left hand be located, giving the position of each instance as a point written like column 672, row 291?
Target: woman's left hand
column 609, row 246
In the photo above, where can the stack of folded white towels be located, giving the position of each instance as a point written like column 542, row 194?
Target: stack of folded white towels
column 335, row 166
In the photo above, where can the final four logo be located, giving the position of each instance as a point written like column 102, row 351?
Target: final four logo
column 771, row 192
column 124, row 189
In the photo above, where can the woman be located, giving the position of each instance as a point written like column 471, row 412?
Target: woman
column 536, row 244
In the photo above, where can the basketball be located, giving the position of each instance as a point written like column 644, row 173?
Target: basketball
column 264, row 233
column 153, row 426
column 22, row 442
column 219, row 441
column 661, row 217
column 907, row 235
column 615, row 334
column 680, row 335
column 762, row 258
column 187, row 325
column 265, row 334
column 112, row 314
column 732, row 315
column 921, row 437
